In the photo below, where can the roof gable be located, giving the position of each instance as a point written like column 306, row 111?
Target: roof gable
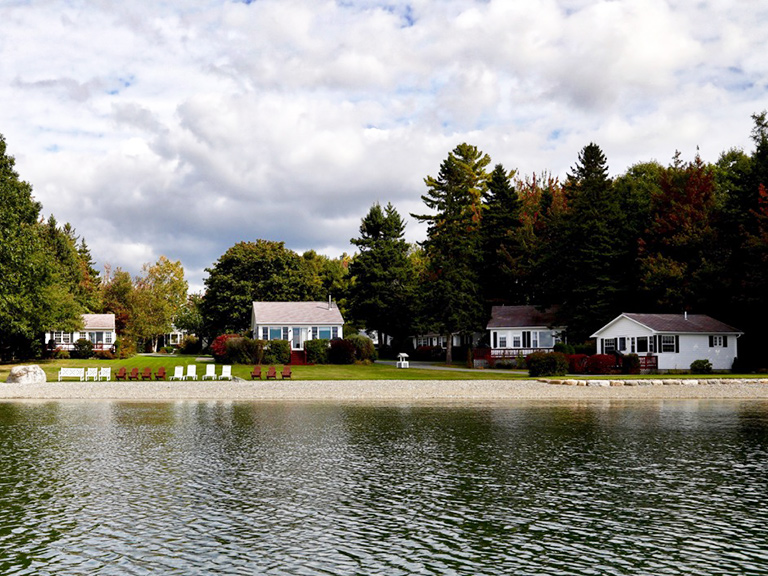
column 288, row 313
column 98, row 321
column 676, row 323
column 520, row 317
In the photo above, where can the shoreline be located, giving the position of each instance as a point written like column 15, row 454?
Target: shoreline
column 460, row 392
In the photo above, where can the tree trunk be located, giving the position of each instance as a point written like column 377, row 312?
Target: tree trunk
column 449, row 350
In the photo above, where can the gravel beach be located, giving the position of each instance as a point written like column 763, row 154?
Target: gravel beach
column 381, row 391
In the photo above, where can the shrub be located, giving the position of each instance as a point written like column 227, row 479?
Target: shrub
column 104, row 355
column 341, row 352
column 563, row 348
column 124, row 347
column 600, row 364
column 219, row 347
column 701, row 367
column 317, row 351
column 547, row 364
column 589, row 348
column 61, row 354
column 244, row 350
column 83, row 349
column 190, row 345
column 364, row 349
column 631, row 364
column 429, row 353
column 577, row 363
column 277, row 352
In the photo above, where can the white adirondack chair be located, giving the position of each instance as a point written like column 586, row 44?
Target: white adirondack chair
column 105, row 374
column 226, row 373
column 178, row 373
column 210, row 372
column 92, row 373
column 191, row 372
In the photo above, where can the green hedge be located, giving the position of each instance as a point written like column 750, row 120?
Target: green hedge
column 547, row 364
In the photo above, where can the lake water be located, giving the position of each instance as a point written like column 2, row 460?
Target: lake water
column 651, row 488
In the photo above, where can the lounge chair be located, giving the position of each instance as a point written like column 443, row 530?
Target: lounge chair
column 286, row 373
column 134, row 375
column 92, row 374
column 160, row 373
column 105, row 374
column 210, row 372
column 191, row 372
column 272, row 373
column 256, row 373
column 147, row 374
column 178, row 373
column 120, row 375
column 226, row 373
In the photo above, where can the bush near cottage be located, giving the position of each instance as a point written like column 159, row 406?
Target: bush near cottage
column 429, row 353
column 341, row 352
column 190, row 345
column 219, row 346
column 277, row 352
column 317, row 350
column 577, row 363
column 701, row 367
column 83, row 349
column 564, row 348
column 104, row 355
column 364, row 348
column 547, row 364
column 630, row 364
column 600, row 364
column 244, row 350
column 61, row 354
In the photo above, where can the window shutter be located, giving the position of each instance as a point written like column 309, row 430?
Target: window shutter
column 677, row 344
column 725, row 341
column 711, row 341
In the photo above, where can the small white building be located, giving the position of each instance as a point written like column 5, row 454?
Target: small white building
column 520, row 330
column 670, row 341
column 98, row 328
column 296, row 322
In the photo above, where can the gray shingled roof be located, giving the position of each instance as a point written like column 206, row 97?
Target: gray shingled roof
column 293, row 313
column 98, row 321
column 694, row 323
column 520, row 317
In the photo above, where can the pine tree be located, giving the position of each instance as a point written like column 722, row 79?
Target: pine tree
column 453, row 299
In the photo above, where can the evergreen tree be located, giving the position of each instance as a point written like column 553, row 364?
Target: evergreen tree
column 453, row 299
column 382, row 291
column 500, row 223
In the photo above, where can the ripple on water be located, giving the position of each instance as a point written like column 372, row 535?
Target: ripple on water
column 223, row 488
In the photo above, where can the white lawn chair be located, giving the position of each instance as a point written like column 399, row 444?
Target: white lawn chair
column 226, row 373
column 92, row 373
column 191, row 372
column 210, row 372
column 178, row 373
column 105, row 374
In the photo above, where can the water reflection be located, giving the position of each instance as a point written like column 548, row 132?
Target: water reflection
column 230, row 488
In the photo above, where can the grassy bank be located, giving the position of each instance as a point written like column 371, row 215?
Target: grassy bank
column 374, row 371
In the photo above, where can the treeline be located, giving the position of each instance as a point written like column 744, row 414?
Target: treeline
column 48, row 280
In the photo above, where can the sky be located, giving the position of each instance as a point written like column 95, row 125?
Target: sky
column 181, row 127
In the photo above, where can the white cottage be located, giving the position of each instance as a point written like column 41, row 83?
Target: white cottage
column 520, row 330
column 670, row 341
column 98, row 328
column 296, row 322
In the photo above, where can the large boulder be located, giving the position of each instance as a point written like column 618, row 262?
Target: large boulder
column 31, row 374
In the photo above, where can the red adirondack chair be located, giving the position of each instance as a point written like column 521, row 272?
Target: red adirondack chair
column 134, row 375
column 120, row 374
column 272, row 373
column 286, row 373
column 256, row 374
column 147, row 374
column 160, row 373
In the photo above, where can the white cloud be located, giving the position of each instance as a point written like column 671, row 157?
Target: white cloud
column 180, row 128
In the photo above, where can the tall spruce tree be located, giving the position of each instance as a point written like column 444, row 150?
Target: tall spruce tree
column 382, row 291
column 500, row 222
column 587, row 286
column 452, row 296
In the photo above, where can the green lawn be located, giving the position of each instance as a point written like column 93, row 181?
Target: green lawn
column 374, row 371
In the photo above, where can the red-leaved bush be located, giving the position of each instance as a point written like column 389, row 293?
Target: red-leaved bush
column 219, row 346
column 600, row 364
column 577, row 363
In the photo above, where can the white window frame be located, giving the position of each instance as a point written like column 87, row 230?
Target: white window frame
column 667, row 344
